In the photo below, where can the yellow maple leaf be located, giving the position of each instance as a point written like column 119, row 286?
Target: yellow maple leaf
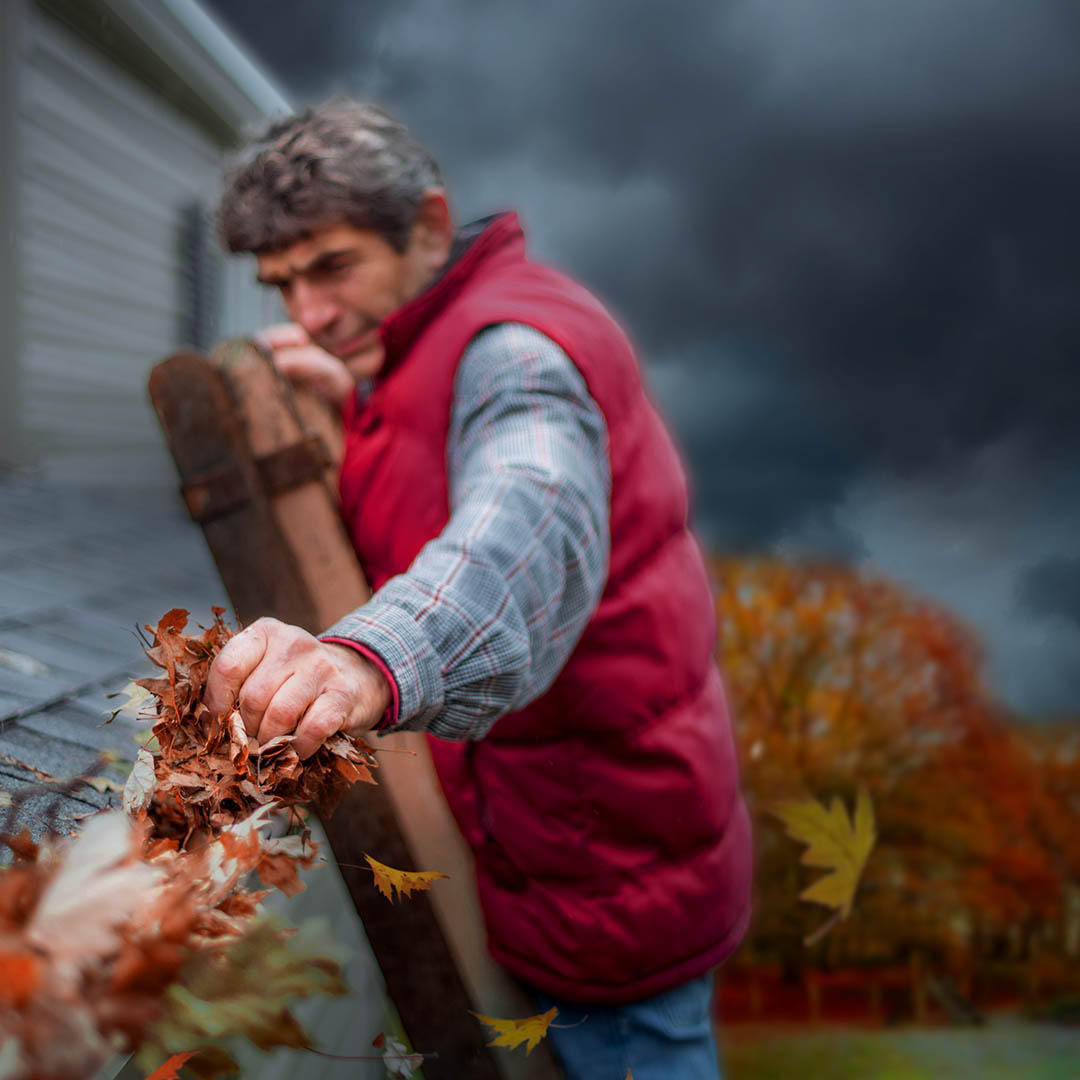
column 394, row 884
column 834, row 842
column 512, row 1033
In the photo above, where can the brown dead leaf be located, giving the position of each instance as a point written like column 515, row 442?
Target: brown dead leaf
column 20, row 974
column 22, row 847
column 282, row 872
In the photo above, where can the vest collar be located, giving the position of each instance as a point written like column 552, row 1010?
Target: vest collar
column 501, row 233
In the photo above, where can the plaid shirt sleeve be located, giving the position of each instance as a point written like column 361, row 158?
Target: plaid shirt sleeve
column 490, row 610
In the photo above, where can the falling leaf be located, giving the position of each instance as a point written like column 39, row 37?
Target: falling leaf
column 396, row 1057
column 404, row 882
column 834, row 842
column 512, row 1033
column 169, row 1069
column 141, row 783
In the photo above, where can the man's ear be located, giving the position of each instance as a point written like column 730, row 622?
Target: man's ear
column 433, row 229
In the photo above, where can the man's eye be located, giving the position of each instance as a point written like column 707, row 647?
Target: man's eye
column 333, row 266
column 326, row 272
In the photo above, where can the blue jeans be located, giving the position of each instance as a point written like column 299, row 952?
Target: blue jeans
column 667, row 1037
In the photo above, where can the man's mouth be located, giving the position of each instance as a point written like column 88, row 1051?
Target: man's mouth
column 358, row 343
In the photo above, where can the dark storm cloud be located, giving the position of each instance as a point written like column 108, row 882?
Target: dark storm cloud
column 967, row 535
column 845, row 234
column 875, row 201
column 1053, row 588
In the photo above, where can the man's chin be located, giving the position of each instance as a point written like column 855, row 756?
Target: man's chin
column 365, row 363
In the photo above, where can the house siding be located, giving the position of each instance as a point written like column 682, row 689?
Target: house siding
column 116, row 262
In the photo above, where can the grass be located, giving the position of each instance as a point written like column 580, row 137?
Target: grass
column 1007, row 1049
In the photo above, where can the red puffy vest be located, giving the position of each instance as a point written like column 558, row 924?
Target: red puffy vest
column 613, row 848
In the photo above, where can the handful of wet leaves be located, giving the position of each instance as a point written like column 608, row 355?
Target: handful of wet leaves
column 208, row 772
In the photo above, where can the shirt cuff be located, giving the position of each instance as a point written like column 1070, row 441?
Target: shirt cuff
column 389, row 718
column 390, row 634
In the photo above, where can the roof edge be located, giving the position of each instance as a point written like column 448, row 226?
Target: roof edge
column 200, row 53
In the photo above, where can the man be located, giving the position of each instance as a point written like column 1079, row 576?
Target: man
column 541, row 609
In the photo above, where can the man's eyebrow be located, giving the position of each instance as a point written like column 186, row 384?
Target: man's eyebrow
column 318, row 263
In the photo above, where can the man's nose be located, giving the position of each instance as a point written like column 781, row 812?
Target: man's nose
column 312, row 308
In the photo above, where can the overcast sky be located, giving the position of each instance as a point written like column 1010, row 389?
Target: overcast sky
column 844, row 234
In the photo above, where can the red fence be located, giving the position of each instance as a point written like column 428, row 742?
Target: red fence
column 873, row 996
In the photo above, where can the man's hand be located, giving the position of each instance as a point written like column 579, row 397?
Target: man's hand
column 285, row 681
column 305, row 364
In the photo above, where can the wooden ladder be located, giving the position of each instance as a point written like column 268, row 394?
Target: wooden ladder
column 256, row 463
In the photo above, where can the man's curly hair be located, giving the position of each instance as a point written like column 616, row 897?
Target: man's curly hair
column 342, row 161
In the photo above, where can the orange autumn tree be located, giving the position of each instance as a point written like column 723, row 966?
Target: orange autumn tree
column 1054, row 749
column 840, row 680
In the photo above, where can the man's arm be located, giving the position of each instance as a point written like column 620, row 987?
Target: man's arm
column 490, row 610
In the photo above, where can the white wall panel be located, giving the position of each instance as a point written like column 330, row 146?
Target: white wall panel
column 108, row 176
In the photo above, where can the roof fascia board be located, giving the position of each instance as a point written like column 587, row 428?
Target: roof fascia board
column 180, row 51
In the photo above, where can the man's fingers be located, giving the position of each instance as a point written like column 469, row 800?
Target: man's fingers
column 327, row 715
column 315, row 369
column 260, row 689
column 231, row 668
column 283, row 336
column 286, row 707
column 284, row 682
column 306, row 362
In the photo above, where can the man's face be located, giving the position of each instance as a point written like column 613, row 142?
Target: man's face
column 340, row 282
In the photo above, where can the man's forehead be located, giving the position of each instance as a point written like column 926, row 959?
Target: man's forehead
column 298, row 256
